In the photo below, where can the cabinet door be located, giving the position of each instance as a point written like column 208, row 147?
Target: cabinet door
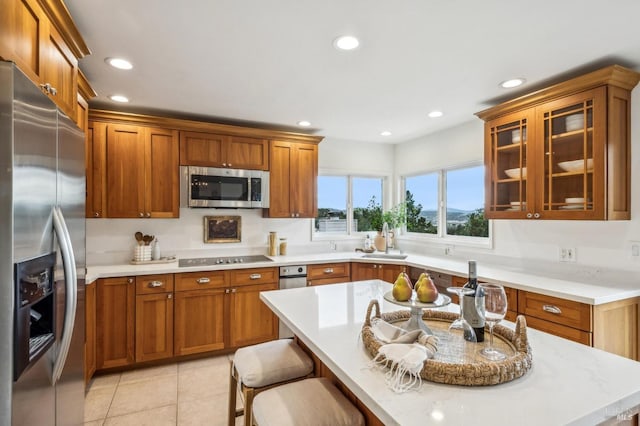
column 304, row 181
column 162, row 198
column 90, row 332
column 95, row 161
column 364, row 271
column 115, row 312
column 201, row 149
column 199, row 321
column 250, row 320
column 280, row 200
column 572, row 156
column 246, row 153
column 510, row 192
column 60, row 70
column 23, row 28
column 389, row 272
column 154, row 326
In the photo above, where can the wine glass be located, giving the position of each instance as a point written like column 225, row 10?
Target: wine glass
column 460, row 331
column 491, row 302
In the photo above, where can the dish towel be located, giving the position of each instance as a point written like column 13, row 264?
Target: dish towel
column 404, row 353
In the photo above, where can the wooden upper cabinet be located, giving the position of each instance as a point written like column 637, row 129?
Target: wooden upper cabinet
column 40, row 37
column 213, row 150
column 293, row 180
column 562, row 152
column 132, row 171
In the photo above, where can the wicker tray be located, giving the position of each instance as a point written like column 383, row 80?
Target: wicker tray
column 447, row 366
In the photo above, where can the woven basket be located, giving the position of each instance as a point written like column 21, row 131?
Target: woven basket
column 480, row 372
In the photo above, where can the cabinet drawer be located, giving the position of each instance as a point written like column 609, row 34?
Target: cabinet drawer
column 560, row 311
column 323, row 281
column 199, row 280
column 149, row 284
column 327, row 270
column 560, row 330
column 254, row 276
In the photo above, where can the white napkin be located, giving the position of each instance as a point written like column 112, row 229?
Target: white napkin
column 404, row 354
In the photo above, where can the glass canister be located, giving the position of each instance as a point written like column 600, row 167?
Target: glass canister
column 283, row 246
column 273, row 244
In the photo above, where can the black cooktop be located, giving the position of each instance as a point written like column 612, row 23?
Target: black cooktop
column 210, row 261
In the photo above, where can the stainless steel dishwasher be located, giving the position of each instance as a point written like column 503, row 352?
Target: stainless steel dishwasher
column 293, row 276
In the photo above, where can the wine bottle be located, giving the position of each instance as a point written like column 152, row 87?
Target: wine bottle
column 471, row 314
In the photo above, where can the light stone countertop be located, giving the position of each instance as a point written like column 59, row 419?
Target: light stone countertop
column 569, row 383
column 577, row 284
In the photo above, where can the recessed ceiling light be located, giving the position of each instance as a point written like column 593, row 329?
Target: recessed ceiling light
column 514, row 82
column 385, row 133
column 346, row 43
column 121, row 64
column 119, row 98
column 304, row 123
column 435, row 114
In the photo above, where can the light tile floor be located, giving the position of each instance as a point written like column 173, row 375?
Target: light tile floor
column 188, row 393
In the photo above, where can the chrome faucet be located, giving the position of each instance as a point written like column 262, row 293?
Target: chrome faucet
column 385, row 233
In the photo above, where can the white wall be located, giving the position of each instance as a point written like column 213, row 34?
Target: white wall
column 604, row 244
column 112, row 240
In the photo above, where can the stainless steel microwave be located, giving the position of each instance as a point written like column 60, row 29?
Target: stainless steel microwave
column 230, row 188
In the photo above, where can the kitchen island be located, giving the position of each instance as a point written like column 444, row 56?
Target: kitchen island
column 569, row 383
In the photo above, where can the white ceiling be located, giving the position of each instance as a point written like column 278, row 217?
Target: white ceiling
column 273, row 62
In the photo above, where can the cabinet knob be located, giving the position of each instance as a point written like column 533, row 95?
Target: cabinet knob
column 169, row 296
column 233, row 290
column 375, row 266
column 224, row 164
column 255, row 276
column 529, row 215
column 552, row 309
column 230, row 165
column 148, row 214
column 536, row 215
column 203, row 280
column 293, row 215
column 129, row 280
column 141, row 214
column 96, row 214
column 328, row 271
column 155, row 284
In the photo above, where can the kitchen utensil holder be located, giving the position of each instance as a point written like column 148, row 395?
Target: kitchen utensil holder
column 142, row 253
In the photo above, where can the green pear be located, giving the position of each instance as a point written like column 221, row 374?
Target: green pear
column 402, row 288
column 420, row 281
column 427, row 292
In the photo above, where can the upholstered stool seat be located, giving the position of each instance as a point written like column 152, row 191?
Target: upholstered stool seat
column 259, row 367
column 309, row 402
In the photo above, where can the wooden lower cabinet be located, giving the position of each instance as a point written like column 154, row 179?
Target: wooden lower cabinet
column 328, row 273
column 371, row 271
column 250, row 320
column 199, row 321
column 115, row 319
column 90, row 331
column 154, row 317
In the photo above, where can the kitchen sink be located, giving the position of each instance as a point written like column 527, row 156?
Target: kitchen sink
column 384, row 256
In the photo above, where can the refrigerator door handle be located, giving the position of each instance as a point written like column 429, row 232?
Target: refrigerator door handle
column 70, row 280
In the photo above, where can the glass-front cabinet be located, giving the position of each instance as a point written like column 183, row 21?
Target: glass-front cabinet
column 562, row 152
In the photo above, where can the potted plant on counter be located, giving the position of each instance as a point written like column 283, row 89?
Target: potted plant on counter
column 394, row 218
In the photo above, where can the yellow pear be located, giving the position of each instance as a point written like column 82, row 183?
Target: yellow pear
column 427, row 293
column 402, row 288
column 420, row 281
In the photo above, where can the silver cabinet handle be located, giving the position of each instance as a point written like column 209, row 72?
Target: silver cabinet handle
column 536, row 215
column 154, row 284
column 529, row 215
column 328, row 271
column 255, row 276
column 203, row 280
column 552, row 309
column 233, row 290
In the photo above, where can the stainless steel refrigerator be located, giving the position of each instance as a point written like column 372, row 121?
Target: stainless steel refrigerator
column 42, row 258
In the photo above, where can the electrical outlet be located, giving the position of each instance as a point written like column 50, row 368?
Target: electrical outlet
column 635, row 250
column 448, row 250
column 567, row 254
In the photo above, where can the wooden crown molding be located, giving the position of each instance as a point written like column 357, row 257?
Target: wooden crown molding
column 84, row 88
column 614, row 75
column 198, row 126
column 61, row 18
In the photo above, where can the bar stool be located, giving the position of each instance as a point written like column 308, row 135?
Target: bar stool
column 309, row 402
column 260, row 367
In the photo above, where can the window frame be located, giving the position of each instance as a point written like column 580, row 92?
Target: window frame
column 351, row 234
column 441, row 236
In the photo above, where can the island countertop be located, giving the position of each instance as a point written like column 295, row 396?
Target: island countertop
column 569, row 383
